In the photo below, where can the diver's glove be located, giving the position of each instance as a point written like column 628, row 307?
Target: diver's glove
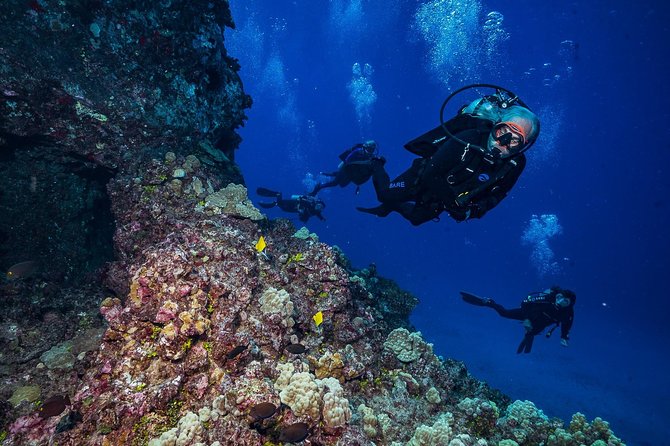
column 564, row 342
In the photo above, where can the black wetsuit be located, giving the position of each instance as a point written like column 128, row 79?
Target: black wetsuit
column 356, row 168
column 304, row 205
column 458, row 179
column 540, row 313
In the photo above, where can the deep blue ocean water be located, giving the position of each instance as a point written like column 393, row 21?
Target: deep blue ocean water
column 590, row 212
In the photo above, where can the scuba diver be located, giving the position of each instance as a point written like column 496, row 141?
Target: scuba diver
column 356, row 166
column 467, row 165
column 538, row 311
column 305, row 206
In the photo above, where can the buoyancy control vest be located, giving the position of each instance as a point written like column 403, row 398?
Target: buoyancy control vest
column 477, row 170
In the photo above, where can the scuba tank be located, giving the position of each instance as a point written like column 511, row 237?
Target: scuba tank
column 481, row 114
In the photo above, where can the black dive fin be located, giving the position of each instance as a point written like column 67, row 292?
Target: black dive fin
column 473, row 300
column 526, row 344
column 263, row 192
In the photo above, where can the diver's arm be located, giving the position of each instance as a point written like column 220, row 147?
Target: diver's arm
column 490, row 198
column 566, row 325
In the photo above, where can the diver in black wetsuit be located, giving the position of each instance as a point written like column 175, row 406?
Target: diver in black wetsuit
column 538, row 311
column 305, row 206
column 356, row 167
column 465, row 172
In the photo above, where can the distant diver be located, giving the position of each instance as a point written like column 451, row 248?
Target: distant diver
column 305, row 206
column 468, row 164
column 538, row 311
column 356, row 166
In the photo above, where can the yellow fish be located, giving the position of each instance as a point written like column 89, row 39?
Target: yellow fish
column 260, row 244
column 318, row 318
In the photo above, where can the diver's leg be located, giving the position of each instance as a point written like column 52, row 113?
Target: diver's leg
column 517, row 314
column 380, row 211
column 332, row 183
column 402, row 188
column 416, row 214
column 380, row 180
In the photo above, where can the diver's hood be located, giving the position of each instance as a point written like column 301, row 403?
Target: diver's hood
column 523, row 119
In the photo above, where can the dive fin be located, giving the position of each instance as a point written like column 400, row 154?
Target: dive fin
column 474, row 300
column 267, row 205
column 379, row 211
column 263, row 192
column 526, row 344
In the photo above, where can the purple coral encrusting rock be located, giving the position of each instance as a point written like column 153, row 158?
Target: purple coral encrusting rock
column 198, row 320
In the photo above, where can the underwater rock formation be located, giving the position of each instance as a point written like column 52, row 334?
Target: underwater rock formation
column 210, row 337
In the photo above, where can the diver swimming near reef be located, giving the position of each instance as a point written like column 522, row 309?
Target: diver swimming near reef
column 467, row 165
column 538, row 311
column 305, row 206
column 356, row 166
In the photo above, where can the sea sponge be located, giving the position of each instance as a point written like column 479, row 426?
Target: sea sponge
column 407, row 346
column 336, row 411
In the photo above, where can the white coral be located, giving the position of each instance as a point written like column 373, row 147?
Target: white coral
column 336, row 411
column 437, row 435
column 302, row 395
column 232, row 200
column 188, row 431
column 369, row 420
column 407, row 346
column 311, row 397
column 274, row 301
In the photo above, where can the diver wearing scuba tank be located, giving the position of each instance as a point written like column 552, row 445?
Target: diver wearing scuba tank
column 537, row 311
column 467, row 165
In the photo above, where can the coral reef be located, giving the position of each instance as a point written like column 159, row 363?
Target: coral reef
column 201, row 328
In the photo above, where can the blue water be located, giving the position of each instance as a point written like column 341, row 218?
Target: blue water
column 325, row 75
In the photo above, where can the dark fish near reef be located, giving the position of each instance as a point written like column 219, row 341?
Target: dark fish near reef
column 294, row 433
column 69, row 421
column 236, row 351
column 296, row 349
column 22, row 270
column 54, row 405
column 263, row 410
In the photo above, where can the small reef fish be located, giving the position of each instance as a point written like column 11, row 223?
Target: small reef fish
column 22, row 270
column 318, row 318
column 262, row 411
column 294, row 433
column 296, row 349
column 236, row 351
column 260, row 244
column 54, row 406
